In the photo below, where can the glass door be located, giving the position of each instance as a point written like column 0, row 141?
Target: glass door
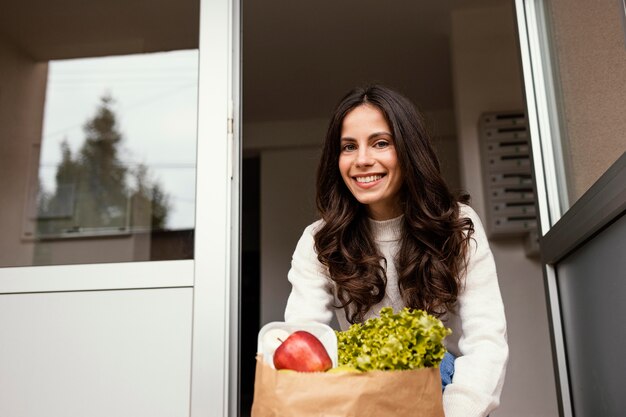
column 116, row 159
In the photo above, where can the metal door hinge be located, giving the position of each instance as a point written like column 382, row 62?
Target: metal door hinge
column 231, row 117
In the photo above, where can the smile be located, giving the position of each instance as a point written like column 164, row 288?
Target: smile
column 368, row 179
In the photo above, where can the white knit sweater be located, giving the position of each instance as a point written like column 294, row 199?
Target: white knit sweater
column 479, row 327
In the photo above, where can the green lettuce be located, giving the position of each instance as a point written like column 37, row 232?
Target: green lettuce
column 409, row 339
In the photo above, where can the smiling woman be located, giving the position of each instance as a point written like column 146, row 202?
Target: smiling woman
column 368, row 162
column 391, row 234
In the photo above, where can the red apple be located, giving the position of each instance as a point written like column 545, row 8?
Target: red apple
column 302, row 352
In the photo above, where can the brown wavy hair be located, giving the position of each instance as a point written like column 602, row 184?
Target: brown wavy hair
column 431, row 258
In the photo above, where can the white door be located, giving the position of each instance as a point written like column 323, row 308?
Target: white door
column 117, row 165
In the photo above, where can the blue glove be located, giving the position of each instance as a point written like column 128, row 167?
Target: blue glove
column 446, row 368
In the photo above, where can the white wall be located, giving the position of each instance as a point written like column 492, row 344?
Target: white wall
column 487, row 77
column 289, row 152
column 287, row 207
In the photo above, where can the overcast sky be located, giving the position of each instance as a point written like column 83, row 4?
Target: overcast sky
column 155, row 100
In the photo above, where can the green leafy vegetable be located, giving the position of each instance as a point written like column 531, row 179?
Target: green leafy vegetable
column 409, row 339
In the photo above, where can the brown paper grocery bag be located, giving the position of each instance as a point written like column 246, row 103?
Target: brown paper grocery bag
column 415, row 393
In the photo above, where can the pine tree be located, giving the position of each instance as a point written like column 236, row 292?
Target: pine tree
column 93, row 191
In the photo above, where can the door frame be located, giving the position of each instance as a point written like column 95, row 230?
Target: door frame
column 547, row 159
column 213, row 273
column 214, row 381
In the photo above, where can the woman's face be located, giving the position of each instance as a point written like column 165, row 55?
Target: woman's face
column 368, row 162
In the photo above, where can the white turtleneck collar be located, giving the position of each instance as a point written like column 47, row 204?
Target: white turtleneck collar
column 387, row 230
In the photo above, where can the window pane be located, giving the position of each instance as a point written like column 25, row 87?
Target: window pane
column 98, row 133
column 588, row 46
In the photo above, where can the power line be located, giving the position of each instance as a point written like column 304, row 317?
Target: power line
column 108, row 80
column 54, row 71
column 161, row 165
column 140, row 103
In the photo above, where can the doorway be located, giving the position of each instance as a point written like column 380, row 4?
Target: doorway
column 454, row 60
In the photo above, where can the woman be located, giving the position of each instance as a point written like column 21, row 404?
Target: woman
column 392, row 234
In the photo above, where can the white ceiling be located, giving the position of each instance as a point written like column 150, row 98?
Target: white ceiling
column 300, row 57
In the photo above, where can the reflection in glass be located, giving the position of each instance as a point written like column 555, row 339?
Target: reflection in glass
column 92, row 192
column 127, row 165
column 116, row 158
column 98, row 111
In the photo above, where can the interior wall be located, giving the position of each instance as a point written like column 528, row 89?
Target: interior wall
column 442, row 128
column 288, row 152
column 287, row 207
column 22, row 92
column 486, row 72
column 589, row 45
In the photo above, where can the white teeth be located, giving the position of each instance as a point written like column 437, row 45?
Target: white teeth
column 368, row 179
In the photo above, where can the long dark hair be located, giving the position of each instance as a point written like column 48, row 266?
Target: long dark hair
column 431, row 257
